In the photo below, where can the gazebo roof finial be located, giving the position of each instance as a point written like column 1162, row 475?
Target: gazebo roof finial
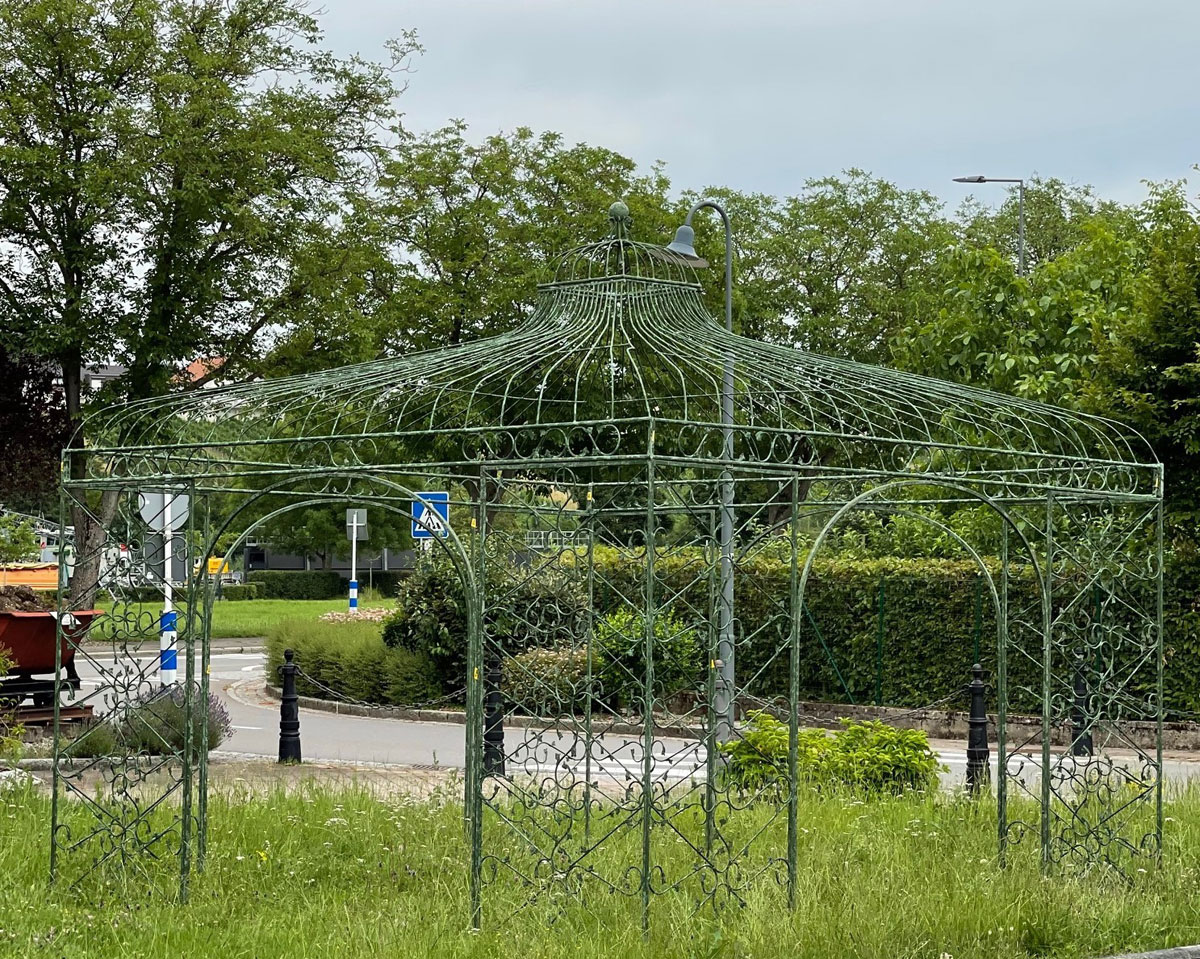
column 618, row 216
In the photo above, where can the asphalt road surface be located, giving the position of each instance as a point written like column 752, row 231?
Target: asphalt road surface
column 237, row 679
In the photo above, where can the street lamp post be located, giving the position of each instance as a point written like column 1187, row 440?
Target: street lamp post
column 1020, row 210
column 724, row 698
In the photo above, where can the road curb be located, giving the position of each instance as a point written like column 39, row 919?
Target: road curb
column 459, row 718
column 92, row 648
column 1178, row 952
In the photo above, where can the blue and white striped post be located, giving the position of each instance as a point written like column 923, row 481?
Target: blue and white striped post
column 167, row 653
column 353, row 517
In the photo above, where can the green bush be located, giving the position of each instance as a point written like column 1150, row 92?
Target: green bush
column 620, row 652
column 544, row 608
column 241, row 591
column 933, row 610
column 298, row 583
column 153, row 725
column 870, row 758
column 352, row 659
column 546, row 681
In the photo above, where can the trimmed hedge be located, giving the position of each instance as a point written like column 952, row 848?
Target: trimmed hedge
column 298, row 583
column 351, row 659
column 932, row 610
column 235, row 592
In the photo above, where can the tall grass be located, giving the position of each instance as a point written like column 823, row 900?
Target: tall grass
column 337, row 873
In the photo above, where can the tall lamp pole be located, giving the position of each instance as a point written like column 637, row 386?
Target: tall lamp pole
column 1020, row 210
column 724, row 698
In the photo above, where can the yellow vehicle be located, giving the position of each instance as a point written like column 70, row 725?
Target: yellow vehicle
column 217, row 566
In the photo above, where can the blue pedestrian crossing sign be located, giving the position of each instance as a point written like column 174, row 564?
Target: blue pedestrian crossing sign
column 431, row 515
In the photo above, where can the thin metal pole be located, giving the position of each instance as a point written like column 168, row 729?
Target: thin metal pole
column 794, row 697
column 648, row 691
column 879, row 643
column 168, row 636
column 725, row 706
column 354, row 561
column 1158, row 679
column 1021, row 228
column 1002, row 708
column 474, row 733
column 1047, row 678
column 589, row 519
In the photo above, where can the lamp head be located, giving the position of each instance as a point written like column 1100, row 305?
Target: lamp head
column 970, row 179
column 684, row 243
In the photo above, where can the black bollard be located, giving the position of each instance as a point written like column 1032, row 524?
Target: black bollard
column 1081, row 735
column 978, row 766
column 493, row 717
column 289, row 711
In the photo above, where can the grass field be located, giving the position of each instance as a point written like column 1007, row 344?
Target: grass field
column 245, row 618
column 336, row 873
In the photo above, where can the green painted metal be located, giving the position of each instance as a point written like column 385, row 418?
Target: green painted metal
column 596, row 429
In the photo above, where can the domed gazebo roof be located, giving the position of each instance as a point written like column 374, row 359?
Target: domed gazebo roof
column 619, row 346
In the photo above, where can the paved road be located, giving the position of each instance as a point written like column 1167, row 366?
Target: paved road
column 236, row 677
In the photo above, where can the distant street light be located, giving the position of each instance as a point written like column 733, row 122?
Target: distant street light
column 1020, row 210
column 724, row 705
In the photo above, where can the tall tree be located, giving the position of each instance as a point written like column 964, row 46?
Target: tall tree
column 846, row 264
column 1149, row 362
column 173, row 176
column 475, row 225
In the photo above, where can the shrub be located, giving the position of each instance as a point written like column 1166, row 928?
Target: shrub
column 298, row 583
column 158, row 722
column 351, row 659
column 240, row 591
column 871, row 758
column 620, row 652
column 543, row 608
column 154, row 724
column 10, row 731
column 546, row 680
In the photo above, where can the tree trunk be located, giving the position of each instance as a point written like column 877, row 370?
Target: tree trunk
column 90, row 515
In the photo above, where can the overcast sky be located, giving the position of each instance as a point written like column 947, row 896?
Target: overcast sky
column 761, row 95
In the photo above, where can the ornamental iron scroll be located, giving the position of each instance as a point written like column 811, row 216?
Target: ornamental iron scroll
column 587, row 463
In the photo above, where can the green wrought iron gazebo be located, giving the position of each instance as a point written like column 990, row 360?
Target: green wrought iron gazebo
column 597, row 426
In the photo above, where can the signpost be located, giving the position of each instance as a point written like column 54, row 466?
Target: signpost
column 430, row 517
column 166, row 511
column 356, row 529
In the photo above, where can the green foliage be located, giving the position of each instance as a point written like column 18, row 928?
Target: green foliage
column 837, row 268
column 10, row 732
column 529, row 609
column 18, row 540
column 320, row 531
column 915, row 886
column 297, row 584
column 352, row 659
column 235, row 592
column 870, row 758
column 431, row 619
column 480, row 219
column 153, row 725
column 1149, row 363
column 546, row 681
column 619, row 646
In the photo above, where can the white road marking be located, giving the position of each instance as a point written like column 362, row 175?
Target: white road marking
column 247, row 727
column 252, row 667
